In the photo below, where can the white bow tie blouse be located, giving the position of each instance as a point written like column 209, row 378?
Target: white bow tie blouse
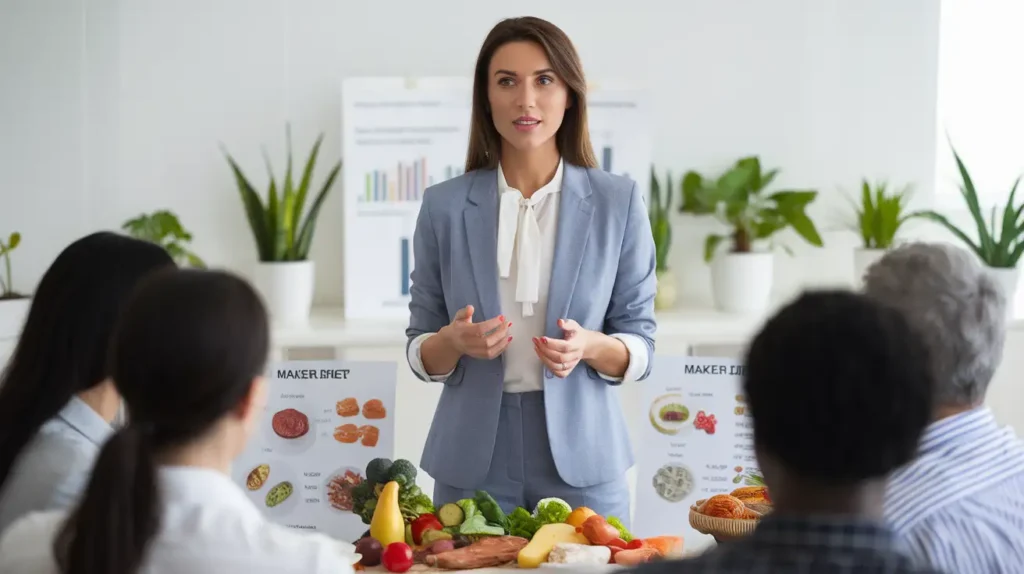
column 527, row 230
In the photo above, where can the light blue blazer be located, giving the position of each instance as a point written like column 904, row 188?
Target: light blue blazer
column 603, row 277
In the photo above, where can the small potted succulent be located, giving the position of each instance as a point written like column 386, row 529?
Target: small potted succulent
column 13, row 304
column 880, row 214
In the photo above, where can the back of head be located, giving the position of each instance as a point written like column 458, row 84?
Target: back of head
column 184, row 357
column 839, row 388
column 952, row 299
column 62, row 349
column 573, row 137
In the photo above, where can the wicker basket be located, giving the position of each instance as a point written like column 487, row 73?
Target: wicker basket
column 724, row 527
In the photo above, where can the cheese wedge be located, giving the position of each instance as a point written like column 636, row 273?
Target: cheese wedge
column 536, row 552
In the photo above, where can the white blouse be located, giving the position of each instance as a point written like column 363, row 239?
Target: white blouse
column 527, row 229
column 208, row 524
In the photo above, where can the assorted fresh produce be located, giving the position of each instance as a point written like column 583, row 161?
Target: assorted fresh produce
column 475, row 532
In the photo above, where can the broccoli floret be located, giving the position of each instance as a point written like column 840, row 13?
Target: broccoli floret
column 521, row 523
column 367, row 512
column 379, row 470
column 404, row 468
column 361, row 493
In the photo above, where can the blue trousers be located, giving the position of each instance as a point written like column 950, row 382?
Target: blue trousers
column 523, row 472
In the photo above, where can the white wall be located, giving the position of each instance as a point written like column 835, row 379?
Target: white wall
column 114, row 107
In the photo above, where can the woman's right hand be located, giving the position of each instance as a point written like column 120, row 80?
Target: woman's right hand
column 485, row 340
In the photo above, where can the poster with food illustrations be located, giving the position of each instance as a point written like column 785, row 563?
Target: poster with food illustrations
column 697, row 442
column 324, row 421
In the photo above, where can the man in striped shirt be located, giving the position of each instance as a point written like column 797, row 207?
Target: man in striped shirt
column 959, row 506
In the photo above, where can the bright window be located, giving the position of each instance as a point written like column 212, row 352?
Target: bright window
column 980, row 98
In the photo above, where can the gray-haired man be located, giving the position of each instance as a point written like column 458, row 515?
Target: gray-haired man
column 959, row 506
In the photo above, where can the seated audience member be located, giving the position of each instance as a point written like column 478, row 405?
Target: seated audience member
column 56, row 398
column 188, row 357
column 839, row 388
column 959, row 506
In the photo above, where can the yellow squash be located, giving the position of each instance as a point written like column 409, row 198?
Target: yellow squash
column 387, row 525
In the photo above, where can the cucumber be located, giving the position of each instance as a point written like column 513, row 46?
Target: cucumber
column 451, row 514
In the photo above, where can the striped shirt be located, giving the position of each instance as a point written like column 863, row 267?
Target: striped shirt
column 959, row 506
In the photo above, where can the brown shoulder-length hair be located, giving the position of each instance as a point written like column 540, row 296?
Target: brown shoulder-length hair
column 573, row 137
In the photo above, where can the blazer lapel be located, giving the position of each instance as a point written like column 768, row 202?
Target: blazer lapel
column 481, row 221
column 575, row 212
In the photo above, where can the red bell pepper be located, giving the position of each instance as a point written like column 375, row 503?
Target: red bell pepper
column 422, row 524
column 617, row 543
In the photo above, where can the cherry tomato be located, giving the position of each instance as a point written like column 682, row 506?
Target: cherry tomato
column 397, row 557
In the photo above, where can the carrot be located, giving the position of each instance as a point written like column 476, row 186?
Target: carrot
column 634, row 557
column 667, row 546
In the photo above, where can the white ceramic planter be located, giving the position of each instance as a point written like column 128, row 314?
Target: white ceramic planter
column 12, row 317
column 742, row 282
column 667, row 292
column 1008, row 279
column 287, row 290
column 862, row 259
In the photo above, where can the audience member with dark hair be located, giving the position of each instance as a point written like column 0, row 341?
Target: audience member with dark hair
column 188, row 356
column 840, row 389
column 56, row 398
column 960, row 505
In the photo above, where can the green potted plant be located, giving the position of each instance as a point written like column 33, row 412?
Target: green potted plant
column 283, row 233
column 1000, row 240
column 165, row 229
column 13, row 304
column 880, row 214
column 661, row 228
column 742, row 272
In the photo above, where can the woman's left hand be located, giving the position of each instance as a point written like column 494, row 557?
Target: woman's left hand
column 561, row 356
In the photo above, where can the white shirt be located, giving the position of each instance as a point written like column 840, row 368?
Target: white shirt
column 208, row 526
column 527, row 229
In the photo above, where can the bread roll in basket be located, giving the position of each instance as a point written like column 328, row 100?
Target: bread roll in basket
column 727, row 516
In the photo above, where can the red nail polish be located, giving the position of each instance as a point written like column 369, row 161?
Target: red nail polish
column 510, row 323
column 544, row 340
column 510, row 339
column 502, row 317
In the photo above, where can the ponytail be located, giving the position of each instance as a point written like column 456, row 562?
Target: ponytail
column 119, row 512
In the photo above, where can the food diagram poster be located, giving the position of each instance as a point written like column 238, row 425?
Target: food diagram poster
column 324, row 421
column 697, row 441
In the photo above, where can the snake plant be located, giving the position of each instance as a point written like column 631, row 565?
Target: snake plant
column 278, row 227
column 661, row 227
column 1000, row 243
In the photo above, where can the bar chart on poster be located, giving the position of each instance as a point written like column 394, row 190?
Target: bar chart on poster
column 401, row 136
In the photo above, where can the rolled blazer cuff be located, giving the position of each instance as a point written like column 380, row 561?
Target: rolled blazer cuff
column 416, row 360
column 638, row 359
